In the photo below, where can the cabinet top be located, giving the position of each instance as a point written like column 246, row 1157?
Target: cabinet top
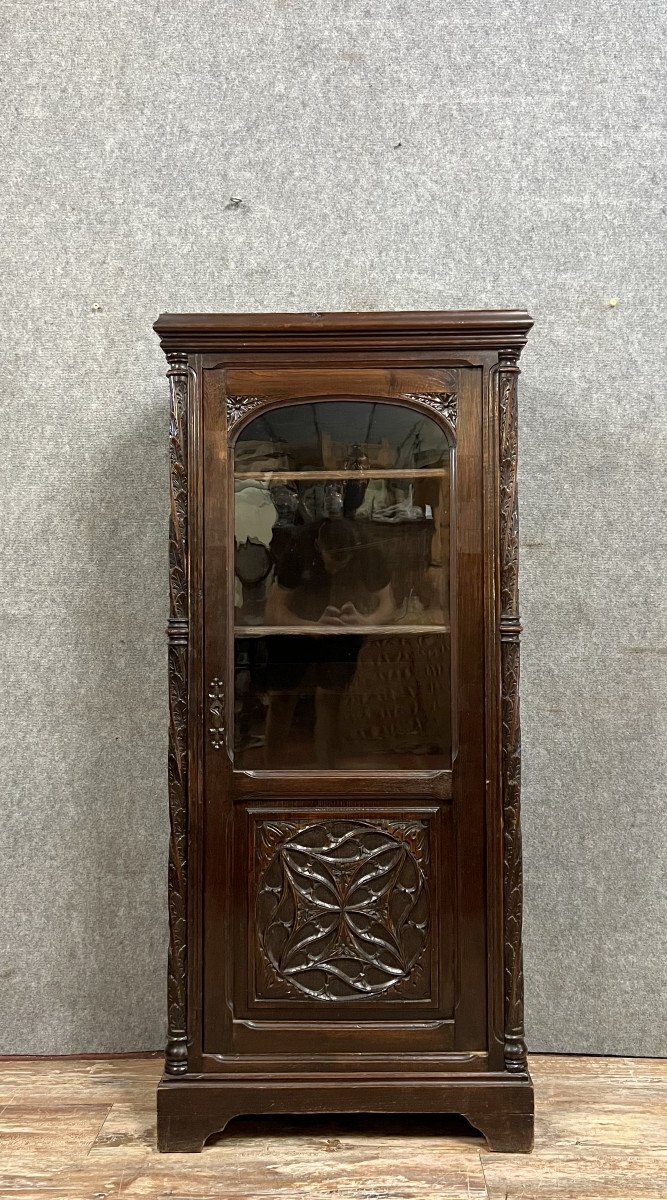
column 482, row 329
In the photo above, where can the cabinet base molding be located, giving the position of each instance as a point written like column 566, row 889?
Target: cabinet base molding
column 192, row 1110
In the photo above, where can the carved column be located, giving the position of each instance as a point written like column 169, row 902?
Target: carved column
column 177, row 631
column 510, row 632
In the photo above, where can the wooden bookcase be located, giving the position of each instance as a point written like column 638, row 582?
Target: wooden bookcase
column 345, row 887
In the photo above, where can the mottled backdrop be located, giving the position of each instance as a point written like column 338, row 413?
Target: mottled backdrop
column 390, row 155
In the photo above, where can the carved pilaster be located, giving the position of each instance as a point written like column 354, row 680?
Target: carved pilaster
column 510, row 631
column 177, row 631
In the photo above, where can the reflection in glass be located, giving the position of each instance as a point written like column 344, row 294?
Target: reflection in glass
column 340, row 434
column 341, row 603
column 356, row 703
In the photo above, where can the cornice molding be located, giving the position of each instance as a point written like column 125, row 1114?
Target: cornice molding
column 485, row 329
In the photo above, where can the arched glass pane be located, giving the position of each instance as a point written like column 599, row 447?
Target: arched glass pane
column 342, row 589
column 326, row 434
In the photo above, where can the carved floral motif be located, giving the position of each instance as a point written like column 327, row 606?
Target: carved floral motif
column 238, row 406
column 342, row 908
column 445, row 403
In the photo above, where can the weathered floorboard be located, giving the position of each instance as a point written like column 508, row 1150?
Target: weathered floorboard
column 85, row 1130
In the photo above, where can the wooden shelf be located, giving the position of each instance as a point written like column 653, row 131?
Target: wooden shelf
column 389, row 473
column 337, row 630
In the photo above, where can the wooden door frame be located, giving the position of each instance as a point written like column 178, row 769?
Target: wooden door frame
column 223, row 1028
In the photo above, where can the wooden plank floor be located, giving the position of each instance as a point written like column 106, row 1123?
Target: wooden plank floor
column 82, row 1129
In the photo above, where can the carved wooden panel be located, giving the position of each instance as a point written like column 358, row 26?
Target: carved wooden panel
column 342, row 909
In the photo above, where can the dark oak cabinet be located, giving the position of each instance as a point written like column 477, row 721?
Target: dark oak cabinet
column 345, row 891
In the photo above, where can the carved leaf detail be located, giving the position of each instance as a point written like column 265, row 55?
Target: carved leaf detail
column 515, row 1052
column 509, row 509
column 176, row 1053
column 445, row 403
column 342, row 907
column 177, row 776
column 178, row 495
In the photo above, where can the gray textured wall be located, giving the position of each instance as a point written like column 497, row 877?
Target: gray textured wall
column 392, row 155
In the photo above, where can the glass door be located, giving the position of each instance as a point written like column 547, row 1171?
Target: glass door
column 344, row 781
column 342, row 581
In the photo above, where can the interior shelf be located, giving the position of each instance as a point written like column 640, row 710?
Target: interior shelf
column 375, row 473
column 336, row 630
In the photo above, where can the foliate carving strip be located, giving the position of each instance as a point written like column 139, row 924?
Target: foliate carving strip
column 509, row 512
column 342, row 909
column 238, row 406
column 510, row 630
column 177, row 630
column 177, row 375
column 445, row 403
